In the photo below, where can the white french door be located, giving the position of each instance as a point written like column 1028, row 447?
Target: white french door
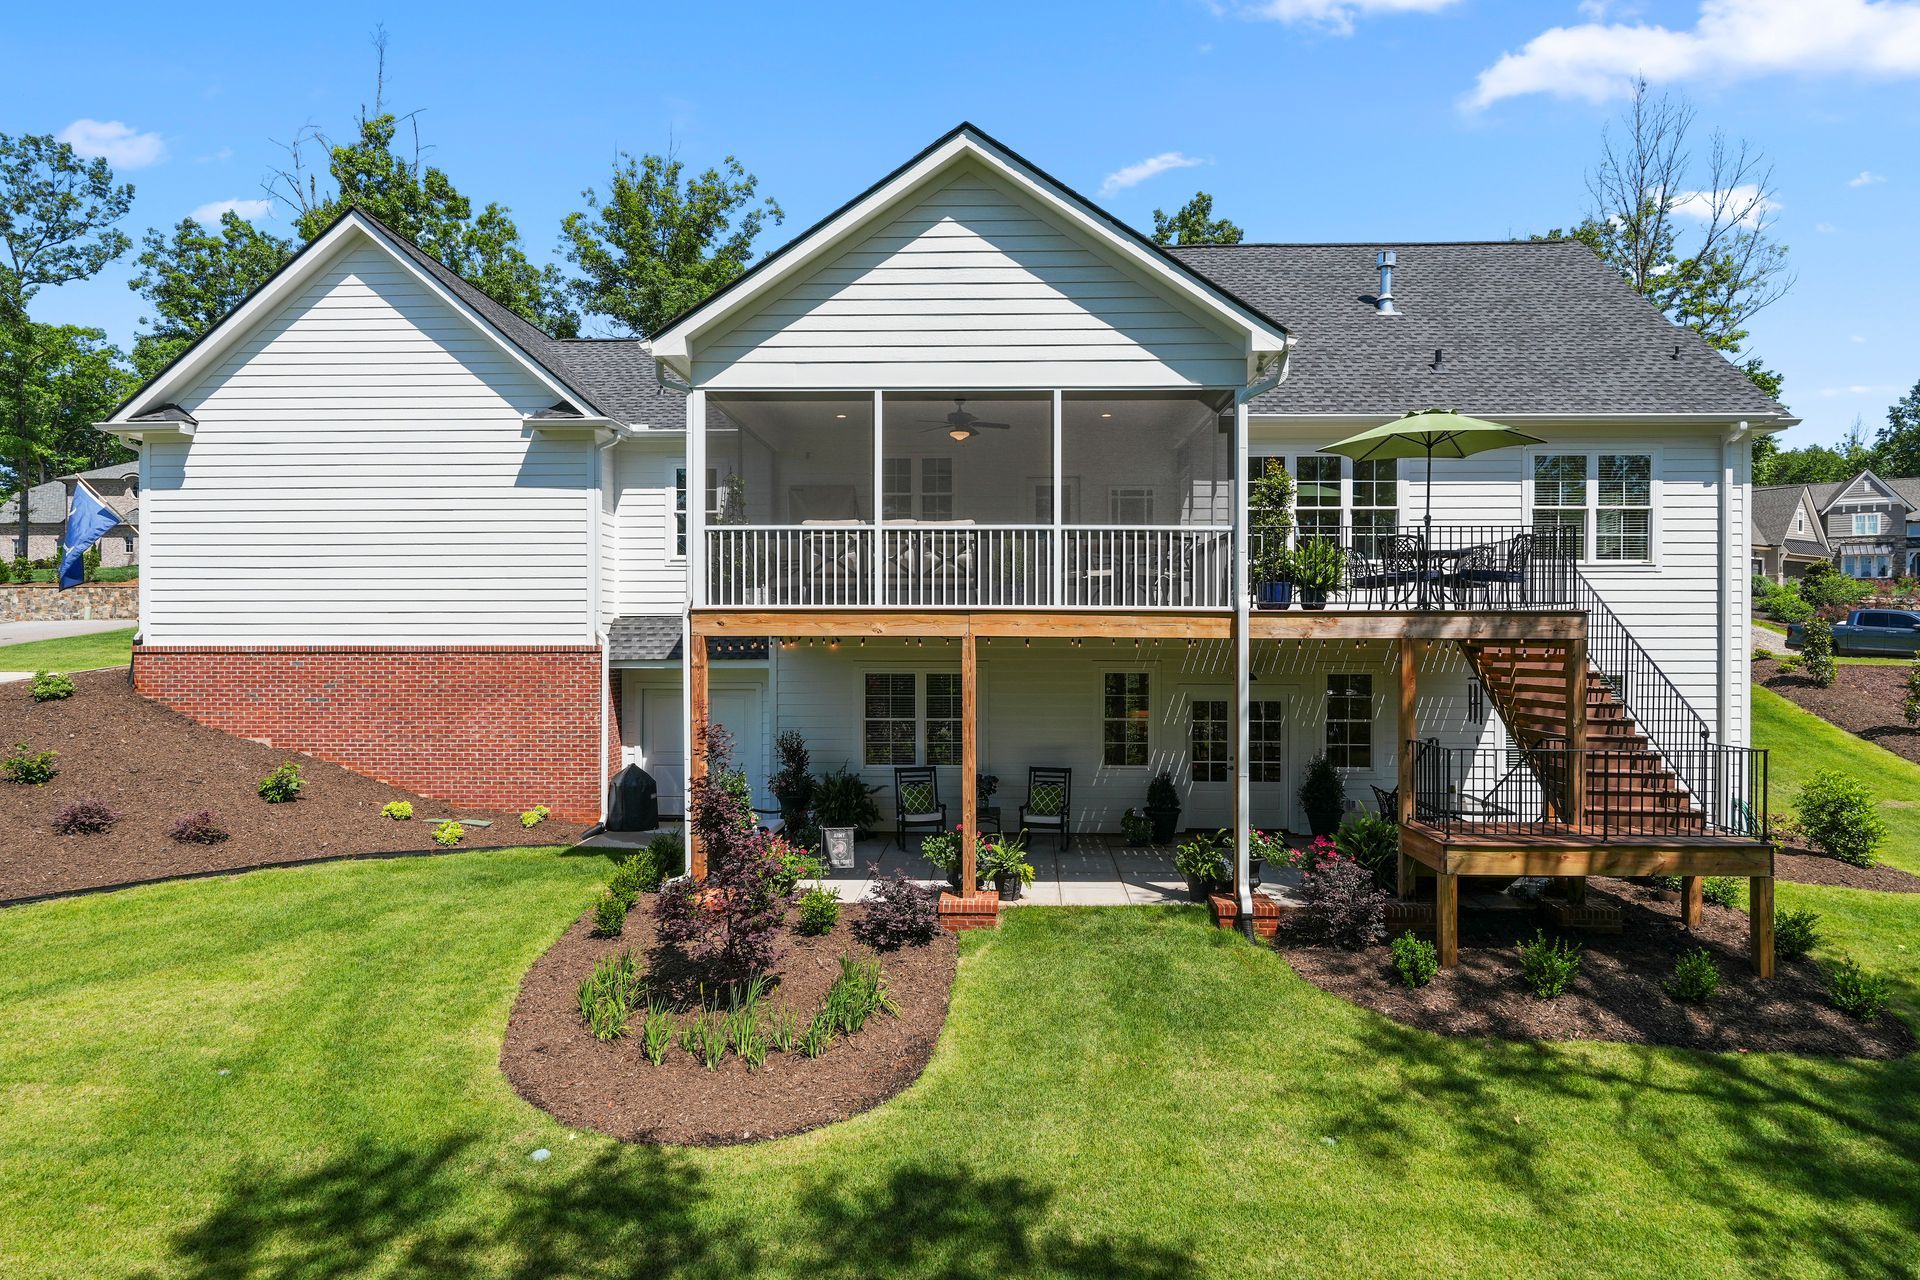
column 1205, row 716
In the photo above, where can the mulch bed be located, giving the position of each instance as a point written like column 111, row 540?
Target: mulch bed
column 555, row 1063
column 154, row 765
column 1617, row 994
column 1817, row 868
column 1865, row 701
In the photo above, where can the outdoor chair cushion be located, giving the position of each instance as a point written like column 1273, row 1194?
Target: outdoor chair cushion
column 1046, row 800
column 917, row 801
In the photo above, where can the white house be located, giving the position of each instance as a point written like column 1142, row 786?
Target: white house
column 954, row 478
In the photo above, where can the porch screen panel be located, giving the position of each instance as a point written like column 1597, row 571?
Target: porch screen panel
column 792, row 459
column 1124, row 718
column 891, row 718
column 1148, row 459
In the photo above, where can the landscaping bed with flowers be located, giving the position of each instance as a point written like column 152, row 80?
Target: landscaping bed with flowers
column 747, row 1006
column 1652, row 982
column 101, row 787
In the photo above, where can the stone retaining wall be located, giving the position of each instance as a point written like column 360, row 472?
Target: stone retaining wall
column 43, row 602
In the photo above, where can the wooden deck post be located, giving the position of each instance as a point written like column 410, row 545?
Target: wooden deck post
column 969, row 761
column 1446, row 917
column 1403, row 795
column 1691, row 898
column 1760, row 906
column 697, row 735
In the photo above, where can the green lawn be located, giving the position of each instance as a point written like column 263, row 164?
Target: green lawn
column 70, row 653
column 1118, row 1092
column 1801, row 743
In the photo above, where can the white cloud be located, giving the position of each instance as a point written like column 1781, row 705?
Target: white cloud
column 1858, row 389
column 1867, row 178
column 1731, row 40
column 209, row 213
column 1335, row 15
column 1745, row 197
column 119, row 144
column 1857, row 338
column 1825, row 228
column 1135, row 174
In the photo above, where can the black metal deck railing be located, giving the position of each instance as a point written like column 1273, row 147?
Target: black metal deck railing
column 1593, row 792
column 1447, row 567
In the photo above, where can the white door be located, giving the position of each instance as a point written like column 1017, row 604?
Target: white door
column 1204, row 714
column 663, row 745
column 1271, row 784
column 737, row 709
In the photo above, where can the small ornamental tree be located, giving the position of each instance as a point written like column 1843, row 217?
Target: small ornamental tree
column 1816, row 647
column 1910, row 705
column 724, row 930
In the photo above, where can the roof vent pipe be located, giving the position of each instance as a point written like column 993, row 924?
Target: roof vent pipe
column 1383, row 301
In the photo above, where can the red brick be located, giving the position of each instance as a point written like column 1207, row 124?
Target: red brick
column 977, row 910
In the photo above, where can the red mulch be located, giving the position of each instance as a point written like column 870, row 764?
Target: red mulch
column 1864, row 700
column 154, row 765
column 1808, row 867
column 555, row 1063
column 1617, row 994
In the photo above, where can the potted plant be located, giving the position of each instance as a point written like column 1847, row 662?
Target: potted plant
column 1269, row 521
column 1163, row 808
column 842, row 799
column 792, row 783
column 1318, row 566
column 1137, row 828
column 1003, row 860
column 1323, row 796
column 984, row 785
column 1203, row 865
column 942, row 849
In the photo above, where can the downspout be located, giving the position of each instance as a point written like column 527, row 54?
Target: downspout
column 602, row 458
column 1723, row 699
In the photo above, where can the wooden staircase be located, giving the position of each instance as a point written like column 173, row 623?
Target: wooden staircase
column 1629, row 786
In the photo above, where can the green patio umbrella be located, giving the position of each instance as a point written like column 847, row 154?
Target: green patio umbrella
column 1429, row 434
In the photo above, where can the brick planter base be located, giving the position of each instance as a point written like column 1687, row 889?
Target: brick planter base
column 1595, row 918
column 977, row 910
column 1410, row 915
column 497, row 727
column 1226, row 913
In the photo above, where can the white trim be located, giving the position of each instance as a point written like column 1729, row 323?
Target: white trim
column 136, row 433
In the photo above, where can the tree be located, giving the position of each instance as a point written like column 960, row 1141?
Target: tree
column 195, row 278
column 1897, row 447
column 1814, row 463
column 72, row 378
column 655, row 246
column 58, row 216
column 1696, row 242
column 1194, row 223
column 419, row 201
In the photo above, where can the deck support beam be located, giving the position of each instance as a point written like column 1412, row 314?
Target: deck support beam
column 1446, row 918
column 697, row 756
column 969, row 763
column 1760, row 924
column 1692, row 900
column 1410, row 653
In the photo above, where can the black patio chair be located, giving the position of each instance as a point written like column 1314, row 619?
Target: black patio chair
column 1388, row 801
column 1049, row 803
column 1507, row 571
column 1392, row 578
column 916, row 803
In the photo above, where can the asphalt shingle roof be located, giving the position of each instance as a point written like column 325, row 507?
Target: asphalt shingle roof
column 46, row 504
column 1773, row 509
column 655, row 637
column 1522, row 326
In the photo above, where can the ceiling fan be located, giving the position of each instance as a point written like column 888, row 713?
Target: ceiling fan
column 962, row 425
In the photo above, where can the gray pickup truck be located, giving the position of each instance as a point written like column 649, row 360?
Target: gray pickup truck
column 1880, row 632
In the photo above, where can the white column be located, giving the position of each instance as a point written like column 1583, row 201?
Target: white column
column 879, row 467
column 696, row 459
column 1242, row 669
column 1059, row 514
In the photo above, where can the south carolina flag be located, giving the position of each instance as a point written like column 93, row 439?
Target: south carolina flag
column 87, row 519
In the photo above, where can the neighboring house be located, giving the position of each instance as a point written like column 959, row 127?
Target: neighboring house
column 1868, row 526
column 1788, row 532
column 118, row 486
column 954, row 480
column 46, row 520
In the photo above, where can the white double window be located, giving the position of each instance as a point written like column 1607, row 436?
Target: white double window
column 1329, row 494
column 1601, row 503
column 899, row 728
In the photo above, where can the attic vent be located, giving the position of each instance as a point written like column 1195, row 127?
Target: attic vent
column 1386, row 260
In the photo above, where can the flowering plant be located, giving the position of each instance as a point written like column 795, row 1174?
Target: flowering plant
column 942, row 849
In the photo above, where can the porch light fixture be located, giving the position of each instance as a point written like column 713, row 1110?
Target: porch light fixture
column 961, row 433
column 841, row 416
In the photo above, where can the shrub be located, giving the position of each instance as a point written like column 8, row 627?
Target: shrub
column 609, row 995
column 625, row 883
column 1789, row 608
column 201, row 827
column 84, row 818
column 1373, row 841
column 1414, row 960
column 668, row 852
column 1203, row 860
column 1323, row 796
column 1136, row 828
column 1762, row 654
column 792, row 863
column 652, row 866
column 1840, row 817
column 51, row 686
column 819, row 912
column 898, row 913
column 726, row 929
column 1910, row 703
column 1857, row 993
column 398, row 810
column 449, row 834
column 1816, row 652
column 1162, row 794
column 792, row 783
column 1825, row 587
column 535, row 816
column 942, row 849
column 1796, row 933
column 609, row 914
column 1695, row 977
column 30, row 768
column 1721, row 891
column 1341, row 905
column 282, row 785
column 1672, row 884
column 1549, row 965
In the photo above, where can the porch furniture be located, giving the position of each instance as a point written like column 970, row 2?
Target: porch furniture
column 1471, row 575
column 1506, row 570
column 1049, row 803
column 916, row 802
column 1388, row 801
column 1400, row 573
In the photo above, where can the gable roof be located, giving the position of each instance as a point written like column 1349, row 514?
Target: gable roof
column 1904, row 490
column 1521, row 326
column 605, row 378
column 1773, row 508
column 46, row 504
column 965, row 141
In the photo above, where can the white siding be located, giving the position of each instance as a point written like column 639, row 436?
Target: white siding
column 652, row 576
column 969, row 284
column 361, row 473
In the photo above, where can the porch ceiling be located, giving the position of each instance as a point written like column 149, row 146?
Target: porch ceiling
column 1155, row 624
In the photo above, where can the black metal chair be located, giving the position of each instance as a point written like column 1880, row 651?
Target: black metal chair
column 1049, row 803
column 1473, row 577
column 1393, row 577
column 1387, row 801
column 916, row 803
column 1506, row 570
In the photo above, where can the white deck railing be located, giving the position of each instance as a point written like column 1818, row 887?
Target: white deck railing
column 934, row 566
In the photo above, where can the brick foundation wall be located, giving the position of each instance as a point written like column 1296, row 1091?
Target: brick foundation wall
column 500, row 727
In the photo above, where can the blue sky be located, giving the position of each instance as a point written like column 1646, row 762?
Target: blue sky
column 1307, row 119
